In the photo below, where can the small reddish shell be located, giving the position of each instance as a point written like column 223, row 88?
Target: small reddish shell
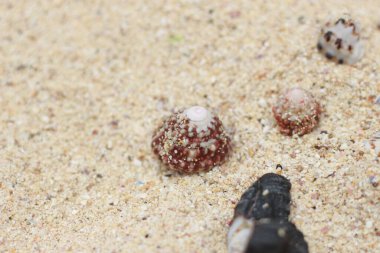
column 191, row 141
column 296, row 112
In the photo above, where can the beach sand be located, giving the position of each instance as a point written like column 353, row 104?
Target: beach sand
column 83, row 84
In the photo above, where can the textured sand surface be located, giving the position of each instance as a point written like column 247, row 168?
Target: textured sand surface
column 83, row 84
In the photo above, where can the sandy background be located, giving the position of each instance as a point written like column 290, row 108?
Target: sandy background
column 84, row 83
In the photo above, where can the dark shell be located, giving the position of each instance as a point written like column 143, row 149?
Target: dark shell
column 261, row 222
column 268, row 197
column 276, row 236
column 182, row 148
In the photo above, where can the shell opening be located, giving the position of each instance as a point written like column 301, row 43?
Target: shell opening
column 239, row 234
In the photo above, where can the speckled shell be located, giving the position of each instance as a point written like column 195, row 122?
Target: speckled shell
column 294, row 117
column 183, row 147
column 340, row 41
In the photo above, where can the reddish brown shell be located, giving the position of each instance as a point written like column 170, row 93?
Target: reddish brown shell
column 296, row 112
column 182, row 147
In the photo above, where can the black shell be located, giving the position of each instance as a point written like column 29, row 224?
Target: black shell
column 276, row 236
column 267, row 202
column 268, row 197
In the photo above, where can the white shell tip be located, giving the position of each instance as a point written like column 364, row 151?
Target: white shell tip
column 197, row 113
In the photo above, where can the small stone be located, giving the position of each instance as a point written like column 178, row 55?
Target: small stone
column 251, row 152
column 377, row 100
column 109, row 145
column 262, row 102
column 375, row 143
column 344, row 146
column 325, row 230
column 373, row 181
column 137, row 162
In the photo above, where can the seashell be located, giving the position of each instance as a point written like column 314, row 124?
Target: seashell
column 296, row 112
column 260, row 223
column 340, row 41
column 268, row 197
column 191, row 140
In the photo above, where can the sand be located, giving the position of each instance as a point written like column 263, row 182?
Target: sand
column 83, row 84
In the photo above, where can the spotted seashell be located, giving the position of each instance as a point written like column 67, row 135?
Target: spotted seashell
column 191, row 140
column 340, row 41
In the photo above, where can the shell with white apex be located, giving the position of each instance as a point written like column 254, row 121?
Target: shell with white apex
column 296, row 111
column 340, row 41
column 191, row 141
